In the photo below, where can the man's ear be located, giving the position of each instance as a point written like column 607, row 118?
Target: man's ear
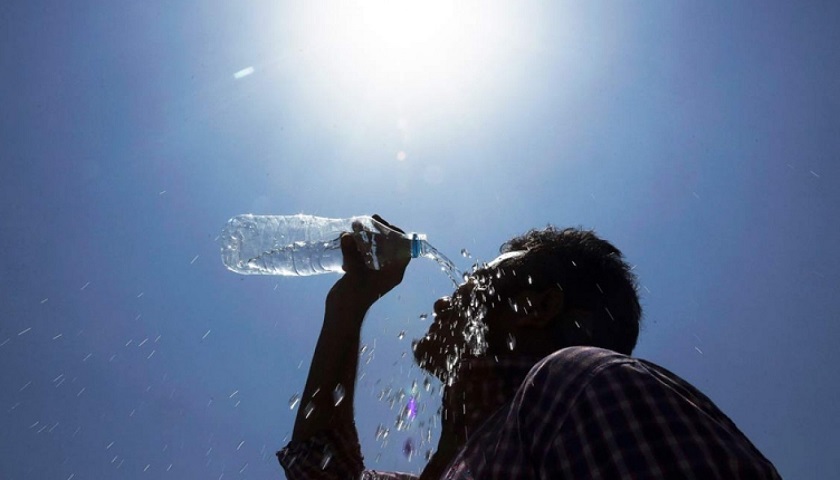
column 540, row 307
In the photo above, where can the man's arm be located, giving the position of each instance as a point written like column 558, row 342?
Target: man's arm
column 334, row 363
column 335, row 360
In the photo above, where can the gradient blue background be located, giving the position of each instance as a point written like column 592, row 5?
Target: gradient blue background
column 702, row 138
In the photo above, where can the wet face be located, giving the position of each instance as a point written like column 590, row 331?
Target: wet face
column 474, row 321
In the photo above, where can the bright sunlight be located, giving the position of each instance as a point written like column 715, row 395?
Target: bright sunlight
column 405, row 50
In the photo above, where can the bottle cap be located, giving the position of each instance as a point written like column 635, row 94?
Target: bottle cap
column 416, row 247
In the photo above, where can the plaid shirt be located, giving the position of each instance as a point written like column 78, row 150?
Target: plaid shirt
column 582, row 412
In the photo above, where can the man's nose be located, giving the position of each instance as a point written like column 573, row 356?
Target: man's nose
column 442, row 304
column 462, row 293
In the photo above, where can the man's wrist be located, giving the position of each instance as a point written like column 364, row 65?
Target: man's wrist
column 350, row 295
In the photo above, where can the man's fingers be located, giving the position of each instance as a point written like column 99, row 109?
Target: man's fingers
column 353, row 260
column 382, row 221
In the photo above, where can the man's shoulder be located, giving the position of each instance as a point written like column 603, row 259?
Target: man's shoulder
column 564, row 374
column 582, row 400
column 581, row 359
column 573, row 368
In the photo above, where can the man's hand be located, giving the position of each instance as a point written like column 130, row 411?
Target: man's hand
column 361, row 281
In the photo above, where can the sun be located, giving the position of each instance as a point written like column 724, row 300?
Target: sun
column 398, row 41
column 402, row 31
column 402, row 50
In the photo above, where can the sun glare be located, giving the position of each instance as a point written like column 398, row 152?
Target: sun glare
column 398, row 39
column 405, row 50
column 405, row 28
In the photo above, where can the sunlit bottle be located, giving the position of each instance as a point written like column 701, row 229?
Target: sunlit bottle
column 303, row 245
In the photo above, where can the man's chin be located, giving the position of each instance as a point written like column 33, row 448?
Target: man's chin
column 426, row 361
column 437, row 360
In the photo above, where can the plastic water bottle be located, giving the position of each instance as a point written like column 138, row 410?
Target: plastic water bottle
column 302, row 245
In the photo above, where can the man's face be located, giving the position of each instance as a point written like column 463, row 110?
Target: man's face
column 468, row 323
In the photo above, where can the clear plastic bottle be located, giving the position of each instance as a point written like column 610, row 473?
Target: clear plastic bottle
column 302, row 245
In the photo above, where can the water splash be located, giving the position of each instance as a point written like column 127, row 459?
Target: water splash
column 411, row 408
column 446, row 265
column 294, row 401
column 408, row 448
column 325, row 460
column 382, row 432
column 338, row 394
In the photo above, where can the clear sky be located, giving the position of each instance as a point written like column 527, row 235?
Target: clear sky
column 702, row 138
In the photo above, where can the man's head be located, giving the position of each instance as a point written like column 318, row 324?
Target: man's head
column 551, row 288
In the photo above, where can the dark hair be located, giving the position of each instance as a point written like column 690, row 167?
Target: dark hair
column 592, row 274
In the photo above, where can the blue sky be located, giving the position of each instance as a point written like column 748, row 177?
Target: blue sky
column 699, row 137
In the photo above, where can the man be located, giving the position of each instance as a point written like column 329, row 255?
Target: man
column 533, row 351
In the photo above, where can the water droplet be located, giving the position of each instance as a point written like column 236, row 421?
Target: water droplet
column 427, row 384
column 401, row 335
column 511, row 341
column 381, row 432
column 308, row 409
column 408, row 448
column 411, row 408
column 294, row 401
column 338, row 394
column 465, row 253
column 530, row 280
column 424, row 316
column 325, row 460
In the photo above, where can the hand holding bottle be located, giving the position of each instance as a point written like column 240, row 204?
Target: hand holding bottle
column 374, row 262
column 303, row 245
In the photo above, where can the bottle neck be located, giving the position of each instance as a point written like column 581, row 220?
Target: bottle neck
column 417, row 243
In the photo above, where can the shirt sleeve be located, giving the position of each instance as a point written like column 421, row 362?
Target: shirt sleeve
column 330, row 455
